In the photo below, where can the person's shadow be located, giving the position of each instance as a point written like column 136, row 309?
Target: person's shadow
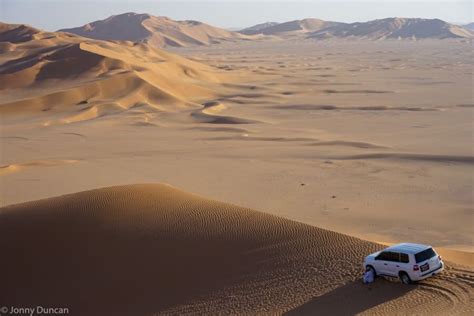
column 353, row 298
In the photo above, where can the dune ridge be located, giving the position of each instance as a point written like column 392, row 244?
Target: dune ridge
column 152, row 249
column 156, row 31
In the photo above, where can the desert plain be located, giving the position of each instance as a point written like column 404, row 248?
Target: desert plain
column 326, row 139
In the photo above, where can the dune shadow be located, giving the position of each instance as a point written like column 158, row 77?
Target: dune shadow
column 352, row 298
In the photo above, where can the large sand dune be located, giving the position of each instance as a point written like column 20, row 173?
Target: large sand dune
column 157, row 31
column 152, row 249
column 72, row 79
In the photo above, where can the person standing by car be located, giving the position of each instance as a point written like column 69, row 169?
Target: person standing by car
column 368, row 276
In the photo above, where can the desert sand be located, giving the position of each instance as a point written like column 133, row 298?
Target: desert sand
column 371, row 139
column 152, row 249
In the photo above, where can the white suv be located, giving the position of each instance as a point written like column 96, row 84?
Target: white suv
column 409, row 262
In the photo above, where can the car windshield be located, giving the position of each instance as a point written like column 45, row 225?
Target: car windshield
column 425, row 255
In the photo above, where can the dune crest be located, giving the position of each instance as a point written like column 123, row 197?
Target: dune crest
column 156, row 31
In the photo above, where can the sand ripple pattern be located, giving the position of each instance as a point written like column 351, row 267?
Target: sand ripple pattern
column 152, row 249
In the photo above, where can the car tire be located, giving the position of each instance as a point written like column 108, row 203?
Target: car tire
column 404, row 278
column 373, row 271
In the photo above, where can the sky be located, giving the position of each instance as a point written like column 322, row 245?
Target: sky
column 52, row 15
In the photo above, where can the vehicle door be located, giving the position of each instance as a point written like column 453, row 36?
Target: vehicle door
column 392, row 265
column 381, row 262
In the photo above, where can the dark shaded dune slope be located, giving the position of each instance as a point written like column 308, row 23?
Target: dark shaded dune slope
column 144, row 249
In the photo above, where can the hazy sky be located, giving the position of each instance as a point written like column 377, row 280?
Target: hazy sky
column 55, row 14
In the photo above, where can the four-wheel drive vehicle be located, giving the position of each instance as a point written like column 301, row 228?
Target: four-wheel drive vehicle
column 408, row 262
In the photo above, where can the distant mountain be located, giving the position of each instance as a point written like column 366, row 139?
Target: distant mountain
column 157, row 31
column 257, row 29
column 469, row 26
column 394, row 28
column 291, row 27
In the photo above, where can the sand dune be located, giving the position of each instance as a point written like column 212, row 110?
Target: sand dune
column 389, row 28
column 469, row 26
column 162, row 31
column 76, row 79
column 395, row 28
column 156, row 31
column 16, row 33
column 291, row 27
column 146, row 249
column 257, row 29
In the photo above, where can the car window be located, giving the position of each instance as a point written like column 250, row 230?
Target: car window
column 404, row 258
column 388, row 256
column 394, row 257
column 382, row 256
column 425, row 255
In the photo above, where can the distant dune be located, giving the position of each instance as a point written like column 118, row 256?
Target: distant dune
column 286, row 28
column 374, row 30
column 469, row 26
column 162, row 31
column 156, row 31
column 16, row 33
column 395, row 28
column 145, row 249
column 72, row 78
column 257, row 29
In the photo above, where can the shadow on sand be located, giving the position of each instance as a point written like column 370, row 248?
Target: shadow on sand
column 352, row 298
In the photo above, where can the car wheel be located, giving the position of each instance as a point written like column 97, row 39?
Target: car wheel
column 373, row 271
column 405, row 278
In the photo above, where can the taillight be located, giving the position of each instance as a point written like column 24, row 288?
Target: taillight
column 416, row 267
column 439, row 258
